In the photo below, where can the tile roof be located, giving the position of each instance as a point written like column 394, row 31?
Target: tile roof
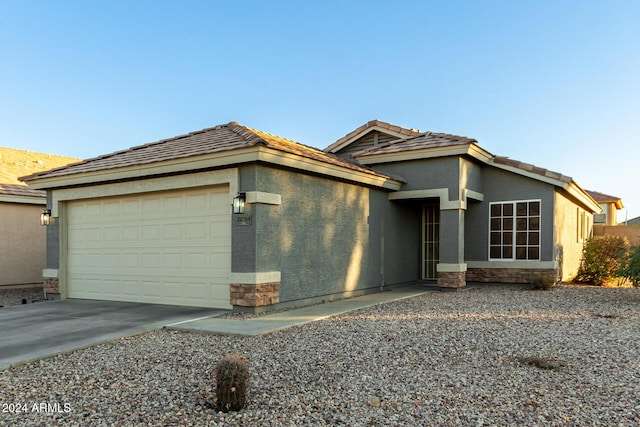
column 371, row 124
column 501, row 160
column 16, row 163
column 601, row 197
column 417, row 142
column 21, row 190
column 220, row 138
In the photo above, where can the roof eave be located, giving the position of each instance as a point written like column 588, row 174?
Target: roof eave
column 569, row 186
column 469, row 149
column 27, row 200
column 215, row 160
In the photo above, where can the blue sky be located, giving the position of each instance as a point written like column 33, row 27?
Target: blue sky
column 554, row 83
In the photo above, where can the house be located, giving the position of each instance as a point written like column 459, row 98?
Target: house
column 382, row 206
column 633, row 221
column 609, row 207
column 22, row 239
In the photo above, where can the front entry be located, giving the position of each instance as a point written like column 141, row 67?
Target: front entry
column 430, row 240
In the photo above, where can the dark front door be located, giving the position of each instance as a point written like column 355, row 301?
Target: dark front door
column 430, row 240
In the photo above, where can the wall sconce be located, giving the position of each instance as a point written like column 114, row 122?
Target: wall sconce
column 238, row 203
column 45, row 217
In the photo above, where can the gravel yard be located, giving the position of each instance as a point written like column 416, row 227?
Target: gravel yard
column 488, row 356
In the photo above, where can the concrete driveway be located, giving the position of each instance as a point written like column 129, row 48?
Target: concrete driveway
column 33, row 331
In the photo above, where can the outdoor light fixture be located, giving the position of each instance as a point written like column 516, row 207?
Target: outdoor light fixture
column 238, row 203
column 45, row 217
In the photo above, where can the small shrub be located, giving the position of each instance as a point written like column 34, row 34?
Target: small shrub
column 602, row 259
column 543, row 362
column 630, row 267
column 232, row 381
column 542, row 283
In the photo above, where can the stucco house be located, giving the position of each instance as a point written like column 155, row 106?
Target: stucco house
column 609, row 207
column 22, row 238
column 382, row 206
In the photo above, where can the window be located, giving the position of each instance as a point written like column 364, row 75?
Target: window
column 514, row 230
column 582, row 224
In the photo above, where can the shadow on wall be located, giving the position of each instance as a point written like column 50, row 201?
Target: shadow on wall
column 320, row 240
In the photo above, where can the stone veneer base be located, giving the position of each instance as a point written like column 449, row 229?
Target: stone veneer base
column 254, row 295
column 510, row 275
column 51, row 285
column 452, row 279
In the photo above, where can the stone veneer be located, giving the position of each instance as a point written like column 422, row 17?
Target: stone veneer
column 452, row 279
column 51, row 285
column 510, row 275
column 258, row 295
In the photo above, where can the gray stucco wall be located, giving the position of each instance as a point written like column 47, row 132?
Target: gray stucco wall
column 426, row 174
column 502, row 186
column 327, row 236
column 53, row 239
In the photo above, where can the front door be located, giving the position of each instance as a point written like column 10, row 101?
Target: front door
column 430, row 240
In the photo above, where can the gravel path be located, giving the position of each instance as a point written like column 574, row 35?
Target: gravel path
column 485, row 357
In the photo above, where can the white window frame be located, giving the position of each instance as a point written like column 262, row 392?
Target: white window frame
column 514, row 218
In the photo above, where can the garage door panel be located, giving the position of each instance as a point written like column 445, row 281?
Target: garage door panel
column 165, row 248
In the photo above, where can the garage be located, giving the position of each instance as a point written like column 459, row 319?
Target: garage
column 168, row 247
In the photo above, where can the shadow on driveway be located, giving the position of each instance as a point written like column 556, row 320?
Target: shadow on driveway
column 33, row 331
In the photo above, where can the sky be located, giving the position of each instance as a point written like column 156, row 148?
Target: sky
column 552, row 83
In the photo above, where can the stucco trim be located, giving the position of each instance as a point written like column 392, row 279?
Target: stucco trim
column 49, row 273
column 219, row 177
column 440, row 193
column 474, row 195
column 472, row 150
column 6, row 198
column 255, row 278
column 451, row 268
column 513, row 264
column 264, row 198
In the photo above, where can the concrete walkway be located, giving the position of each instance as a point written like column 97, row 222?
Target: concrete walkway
column 278, row 321
column 35, row 331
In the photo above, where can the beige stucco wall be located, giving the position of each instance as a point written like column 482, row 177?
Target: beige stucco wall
column 567, row 247
column 631, row 232
column 22, row 244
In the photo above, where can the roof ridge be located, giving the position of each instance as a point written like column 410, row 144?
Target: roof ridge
column 248, row 134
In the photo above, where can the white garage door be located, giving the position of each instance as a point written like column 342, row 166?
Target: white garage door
column 161, row 248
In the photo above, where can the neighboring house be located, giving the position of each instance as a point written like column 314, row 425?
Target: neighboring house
column 633, row 221
column 22, row 238
column 609, row 207
column 382, row 206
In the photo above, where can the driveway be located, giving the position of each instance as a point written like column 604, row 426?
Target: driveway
column 32, row 331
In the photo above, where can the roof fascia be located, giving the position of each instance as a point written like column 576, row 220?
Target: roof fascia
column 582, row 196
column 141, row 171
column 428, row 153
column 570, row 187
column 281, row 158
column 29, row 200
column 219, row 159
column 364, row 133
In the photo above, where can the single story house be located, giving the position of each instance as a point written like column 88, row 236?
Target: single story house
column 382, row 206
column 22, row 239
